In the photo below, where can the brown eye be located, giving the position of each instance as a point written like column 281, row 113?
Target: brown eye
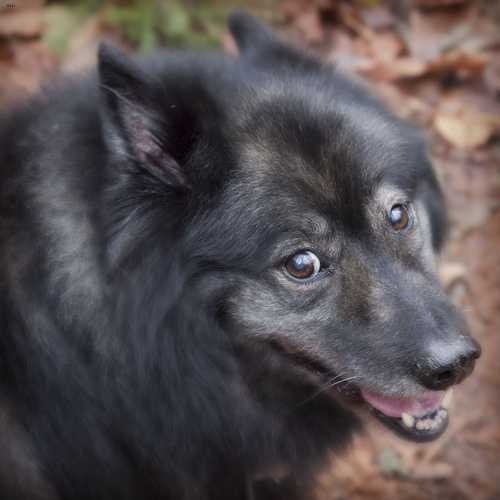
column 399, row 217
column 303, row 265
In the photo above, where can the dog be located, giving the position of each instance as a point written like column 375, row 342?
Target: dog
column 211, row 267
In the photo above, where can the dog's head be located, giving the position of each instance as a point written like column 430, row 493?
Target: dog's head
column 318, row 215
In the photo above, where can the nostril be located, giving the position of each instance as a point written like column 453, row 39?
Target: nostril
column 446, row 377
column 440, row 378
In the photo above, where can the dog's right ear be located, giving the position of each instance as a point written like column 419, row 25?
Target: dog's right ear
column 256, row 42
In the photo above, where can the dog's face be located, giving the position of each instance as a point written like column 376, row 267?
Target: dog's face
column 345, row 280
column 325, row 231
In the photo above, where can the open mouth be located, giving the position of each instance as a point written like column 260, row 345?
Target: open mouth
column 421, row 418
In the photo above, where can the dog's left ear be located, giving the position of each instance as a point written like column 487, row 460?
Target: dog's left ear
column 258, row 43
column 142, row 122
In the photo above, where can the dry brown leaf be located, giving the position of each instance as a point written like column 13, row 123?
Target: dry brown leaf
column 435, row 471
column 309, row 26
column 349, row 53
column 351, row 18
column 462, row 64
column 464, row 131
column 492, row 74
column 466, row 119
column 30, row 63
column 386, row 47
column 400, row 68
column 426, row 32
column 378, row 18
column 26, row 23
column 451, row 272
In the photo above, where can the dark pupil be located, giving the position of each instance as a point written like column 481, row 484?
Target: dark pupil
column 398, row 216
column 301, row 265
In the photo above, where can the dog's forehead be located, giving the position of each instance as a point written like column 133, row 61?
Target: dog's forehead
column 317, row 150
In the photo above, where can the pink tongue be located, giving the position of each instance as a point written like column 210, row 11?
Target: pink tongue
column 394, row 407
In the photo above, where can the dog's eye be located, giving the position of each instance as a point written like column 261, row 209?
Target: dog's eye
column 399, row 217
column 303, row 265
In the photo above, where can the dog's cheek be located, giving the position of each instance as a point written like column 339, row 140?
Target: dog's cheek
column 260, row 312
column 256, row 310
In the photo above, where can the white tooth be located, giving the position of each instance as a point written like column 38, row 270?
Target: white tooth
column 407, row 419
column 445, row 403
column 420, row 425
column 443, row 413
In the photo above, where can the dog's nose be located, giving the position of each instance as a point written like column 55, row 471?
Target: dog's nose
column 449, row 364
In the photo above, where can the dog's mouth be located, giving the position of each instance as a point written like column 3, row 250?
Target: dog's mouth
column 420, row 418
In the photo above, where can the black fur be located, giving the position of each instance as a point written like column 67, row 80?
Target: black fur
column 144, row 216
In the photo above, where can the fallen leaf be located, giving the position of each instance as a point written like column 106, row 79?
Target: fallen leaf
column 25, row 23
column 28, row 65
column 462, row 64
column 400, row 68
column 378, row 18
column 451, row 272
column 492, row 75
column 426, row 33
column 349, row 53
column 386, row 47
column 309, row 26
column 435, row 471
column 467, row 120
column 464, row 131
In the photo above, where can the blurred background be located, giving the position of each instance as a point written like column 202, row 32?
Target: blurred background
column 434, row 62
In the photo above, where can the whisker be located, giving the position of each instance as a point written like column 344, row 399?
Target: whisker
column 331, row 383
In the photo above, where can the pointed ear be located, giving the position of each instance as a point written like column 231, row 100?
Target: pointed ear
column 249, row 34
column 256, row 42
column 134, row 126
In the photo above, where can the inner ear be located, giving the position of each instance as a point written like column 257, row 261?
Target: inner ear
column 136, row 127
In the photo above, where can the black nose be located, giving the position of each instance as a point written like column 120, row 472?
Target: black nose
column 449, row 364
